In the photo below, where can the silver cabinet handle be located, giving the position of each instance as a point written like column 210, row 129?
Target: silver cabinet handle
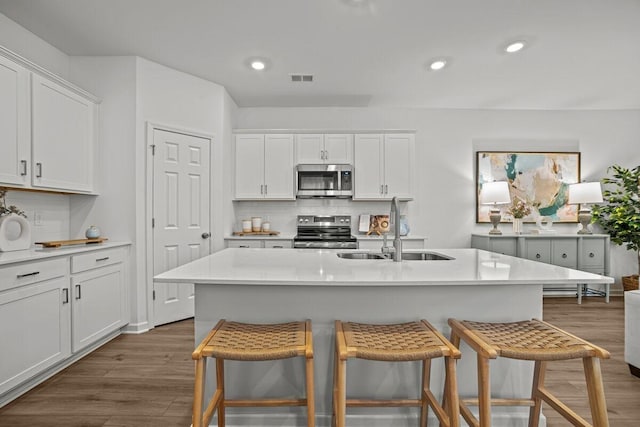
column 386, row 189
column 564, row 255
column 102, row 259
column 321, row 154
column 537, row 256
column 23, row 163
column 38, row 170
column 266, row 191
column 381, row 189
column 78, row 292
column 278, row 246
column 244, row 246
column 20, row 276
column 591, row 254
column 261, row 188
column 206, row 235
column 66, row 296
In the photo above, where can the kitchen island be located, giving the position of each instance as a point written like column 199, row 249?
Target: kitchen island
column 279, row 285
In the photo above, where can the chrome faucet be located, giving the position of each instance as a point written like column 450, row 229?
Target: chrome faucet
column 397, row 242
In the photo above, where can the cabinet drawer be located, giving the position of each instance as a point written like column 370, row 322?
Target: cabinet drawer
column 592, row 255
column 26, row 273
column 504, row 246
column 244, row 244
column 94, row 259
column 565, row 253
column 538, row 250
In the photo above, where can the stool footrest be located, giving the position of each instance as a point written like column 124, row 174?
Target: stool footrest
column 561, row 408
column 383, row 402
column 500, row 402
column 264, row 402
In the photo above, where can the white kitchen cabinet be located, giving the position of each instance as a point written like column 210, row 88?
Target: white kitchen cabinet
column 35, row 316
column 383, row 166
column 324, row 148
column 14, row 124
column 99, row 295
column 264, row 167
column 63, row 137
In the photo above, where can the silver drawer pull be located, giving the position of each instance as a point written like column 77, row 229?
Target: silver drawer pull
column 278, row 246
column 564, row 255
column 78, row 292
column 102, row 259
column 39, row 170
column 35, row 273
column 244, row 246
column 591, row 254
column 23, row 163
column 66, row 296
column 537, row 256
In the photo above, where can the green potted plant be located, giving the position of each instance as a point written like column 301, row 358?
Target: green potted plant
column 619, row 216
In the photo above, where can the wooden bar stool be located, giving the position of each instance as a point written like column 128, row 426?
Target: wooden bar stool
column 395, row 343
column 251, row 342
column 530, row 340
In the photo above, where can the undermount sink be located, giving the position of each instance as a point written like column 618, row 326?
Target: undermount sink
column 408, row 256
column 360, row 255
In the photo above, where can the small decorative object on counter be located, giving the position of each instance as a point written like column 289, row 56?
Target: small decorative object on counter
column 517, row 225
column 266, row 226
column 92, row 232
column 518, row 210
column 256, row 223
column 15, row 231
column 246, row 225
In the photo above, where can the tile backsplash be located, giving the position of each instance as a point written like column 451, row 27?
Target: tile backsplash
column 47, row 213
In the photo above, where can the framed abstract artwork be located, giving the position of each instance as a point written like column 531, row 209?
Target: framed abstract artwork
column 541, row 180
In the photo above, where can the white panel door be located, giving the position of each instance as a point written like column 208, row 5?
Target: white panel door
column 309, row 148
column 249, row 151
column 181, row 216
column 338, row 148
column 14, row 124
column 368, row 167
column 62, row 137
column 398, row 165
column 278, row 167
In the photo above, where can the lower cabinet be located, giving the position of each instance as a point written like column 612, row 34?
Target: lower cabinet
column 35, row 319
column 259, row 243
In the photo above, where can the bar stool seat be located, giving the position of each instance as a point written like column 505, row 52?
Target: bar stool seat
column 251, row 342
column 537, row 341
column 410, row 341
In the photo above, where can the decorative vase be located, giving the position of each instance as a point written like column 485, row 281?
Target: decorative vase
column 517, row 225
column 15, row 233
column 92, row 232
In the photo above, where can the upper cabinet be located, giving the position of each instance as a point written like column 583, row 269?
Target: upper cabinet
column 264, row 167
column 48, row 129
column 383, row 166
column 324, row 148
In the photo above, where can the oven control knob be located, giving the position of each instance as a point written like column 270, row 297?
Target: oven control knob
column 341, row 219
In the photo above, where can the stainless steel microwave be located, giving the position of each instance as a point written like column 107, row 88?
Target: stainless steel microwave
column 324, row 181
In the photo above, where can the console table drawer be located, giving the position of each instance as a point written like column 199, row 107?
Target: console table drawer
column 565, row 253
column 593, row 253
column 538, row 250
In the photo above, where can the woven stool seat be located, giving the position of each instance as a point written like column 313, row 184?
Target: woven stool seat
column 403, row 342
column 251, row 342
column 537, row 341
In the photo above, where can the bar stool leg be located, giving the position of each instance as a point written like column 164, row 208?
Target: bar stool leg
column 446, row 402
column 311, row 408
column 334, row 395
column 342, row 393
column 538, row 382
column 451, row 387
column 198, row 392
column 595, row 390
column 426, row 380
column 484, row 391
column 220, row 386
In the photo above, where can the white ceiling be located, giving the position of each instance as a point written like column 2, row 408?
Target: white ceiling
column 583, row 54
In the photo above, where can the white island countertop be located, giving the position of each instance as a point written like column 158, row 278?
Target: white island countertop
column 325, row 268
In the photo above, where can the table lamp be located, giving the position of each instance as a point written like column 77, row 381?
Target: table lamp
column 583, row 194
column 495, row 193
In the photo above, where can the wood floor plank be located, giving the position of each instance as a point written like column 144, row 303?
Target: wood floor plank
column 147, row 380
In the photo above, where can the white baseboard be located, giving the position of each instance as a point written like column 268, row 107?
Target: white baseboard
column 136, row 328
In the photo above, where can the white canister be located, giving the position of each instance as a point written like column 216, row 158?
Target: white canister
column 246, row 225
column 266, row 226
column 256, row 223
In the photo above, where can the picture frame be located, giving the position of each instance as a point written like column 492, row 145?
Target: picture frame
column 540, row 179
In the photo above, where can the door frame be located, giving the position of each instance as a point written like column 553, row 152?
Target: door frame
column 150, row 128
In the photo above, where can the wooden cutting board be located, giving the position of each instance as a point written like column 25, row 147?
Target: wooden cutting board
column 256, row 233
column 58, row 243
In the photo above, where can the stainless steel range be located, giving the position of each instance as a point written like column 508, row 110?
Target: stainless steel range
column 324, row 232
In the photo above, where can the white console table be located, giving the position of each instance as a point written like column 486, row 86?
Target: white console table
column 587, row 252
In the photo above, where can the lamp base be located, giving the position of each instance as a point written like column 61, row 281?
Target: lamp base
column 584, row 218
column 494, row 217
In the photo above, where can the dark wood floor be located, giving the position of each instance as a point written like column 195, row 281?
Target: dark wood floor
column 146, row 380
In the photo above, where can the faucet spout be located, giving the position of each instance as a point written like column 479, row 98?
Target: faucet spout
column 397, row 242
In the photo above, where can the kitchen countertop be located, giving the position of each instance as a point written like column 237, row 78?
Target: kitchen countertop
column 35, row 254
column 325, row 268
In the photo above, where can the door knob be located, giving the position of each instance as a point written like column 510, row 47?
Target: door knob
column 206, row 235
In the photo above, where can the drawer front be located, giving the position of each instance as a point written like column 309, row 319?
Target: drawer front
column 244, row 244
column 592, row 255
column 565, row 253
column 26, row 273
column 95, row 259
column 278, row 244
column 504, row 246
column 538, row 250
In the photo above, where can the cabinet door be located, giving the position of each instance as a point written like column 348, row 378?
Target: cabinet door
column 34, row 326
column 504, row 245
column 593, row 254
column 249, row 166
column 368, row 167
column 62, row 137
column 310, row 148
column 14, row 124
column 398, row 165
column 338, row 148
column 278, row 167
column 538, row 250
column 98, row 304
column 564, row 252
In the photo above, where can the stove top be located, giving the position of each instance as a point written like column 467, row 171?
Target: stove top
column 324, row 231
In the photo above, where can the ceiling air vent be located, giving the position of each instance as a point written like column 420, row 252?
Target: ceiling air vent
column 301, row 78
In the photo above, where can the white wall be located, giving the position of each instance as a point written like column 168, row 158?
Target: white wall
column 443, row 209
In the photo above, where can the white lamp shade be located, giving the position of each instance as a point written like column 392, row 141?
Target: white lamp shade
column 495, row 193
column 585, row 192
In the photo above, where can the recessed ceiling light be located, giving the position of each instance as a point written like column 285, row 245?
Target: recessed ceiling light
column 514, row 47
column 257, row 65
column 437, row 64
